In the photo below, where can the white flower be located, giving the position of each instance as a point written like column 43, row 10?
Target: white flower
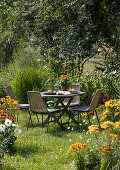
column 8, row 122
column 13, row 125
column 94, row 117
column 68, row 128
column 70, row 140
column 18, row 131
column 88, row 141
column 81, row 137
column 2, row 128
column 80, row 124
column 72, row 128
column 83, row 120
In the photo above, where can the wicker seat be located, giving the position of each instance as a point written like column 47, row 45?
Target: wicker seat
column 10, row 93
column 92, row 107
column 38, row 106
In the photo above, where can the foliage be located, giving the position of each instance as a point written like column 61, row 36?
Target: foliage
column 109, row 148
column 112, row 112
column 109, row 82
column 80, row 161
column 29, row 79
column 53, row 27
column 8, row 107
column 64, row 81
column 7, row 127
column 2, row 85
column 7, row 136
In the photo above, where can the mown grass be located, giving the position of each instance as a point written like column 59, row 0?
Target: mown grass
column 37, row 149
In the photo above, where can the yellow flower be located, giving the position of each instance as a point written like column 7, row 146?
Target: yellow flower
column 90, row 112
column 15, row 102
column 106, row 149
column 76, row 147
column 118, row 102
column 107, row 125
column 2, row 99
column 102, row 119
column 93, row 128
column 105, row 112
column 117, row 125
column 117, row 113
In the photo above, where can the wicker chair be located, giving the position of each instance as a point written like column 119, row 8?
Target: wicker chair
column 76, row 99
column 10, row 93
column 92, row 107
column 38, row 106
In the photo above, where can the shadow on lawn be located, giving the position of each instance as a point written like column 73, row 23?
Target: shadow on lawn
column 26, row 151
column 55, row 130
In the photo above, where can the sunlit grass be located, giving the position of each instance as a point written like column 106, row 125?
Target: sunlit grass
column 37, row 149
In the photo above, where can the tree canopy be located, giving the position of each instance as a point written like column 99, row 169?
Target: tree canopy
column 61, row 29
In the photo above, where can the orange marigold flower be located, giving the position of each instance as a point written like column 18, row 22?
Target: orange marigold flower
column 106, row 149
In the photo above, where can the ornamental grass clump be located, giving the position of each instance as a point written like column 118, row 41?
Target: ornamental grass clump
column 79, row 158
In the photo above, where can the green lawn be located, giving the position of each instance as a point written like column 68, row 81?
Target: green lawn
column 37, row 149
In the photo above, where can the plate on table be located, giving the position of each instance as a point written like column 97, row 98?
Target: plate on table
column 52, row 93
column 73, row 92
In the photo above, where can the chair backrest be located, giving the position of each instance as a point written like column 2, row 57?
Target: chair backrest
column 95, row 100
column 10, row 92
column 36, row 102
column 76, row 99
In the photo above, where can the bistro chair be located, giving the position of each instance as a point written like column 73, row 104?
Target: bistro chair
column 38, row 106
column 10, row 93
column 92, row 107
column 76, row 99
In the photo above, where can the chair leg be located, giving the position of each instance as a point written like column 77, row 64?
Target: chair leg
column 29, row 119
column 42, row 120
column 37, row 117
column 97, row 118
column 48, row 123
column 57, row 121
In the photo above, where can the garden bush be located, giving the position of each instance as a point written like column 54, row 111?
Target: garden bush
column 29, row 79
column 109, row 82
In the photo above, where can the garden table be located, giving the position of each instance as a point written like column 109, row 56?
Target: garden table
column 60, row 98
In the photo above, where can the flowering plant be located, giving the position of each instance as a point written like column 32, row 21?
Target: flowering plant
column 103, row 98
column 112, row 111
column 7, row 136
column 7, row 126
column 111, row 129
column 64, row 81
column 76, row 147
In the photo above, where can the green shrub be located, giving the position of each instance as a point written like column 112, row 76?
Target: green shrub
column 27, row 80
column 2, row 88
column 109, row 82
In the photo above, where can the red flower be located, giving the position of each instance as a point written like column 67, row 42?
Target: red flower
column 104, row 100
